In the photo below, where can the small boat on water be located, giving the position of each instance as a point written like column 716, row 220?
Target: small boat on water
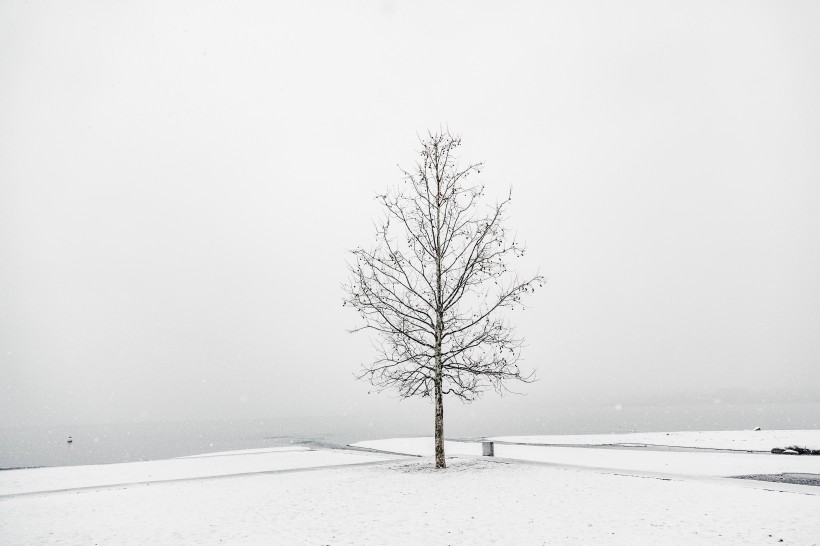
column 70, row 439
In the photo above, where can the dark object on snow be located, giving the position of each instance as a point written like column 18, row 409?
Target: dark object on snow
column 757, row 428
column 487, row 449
column 795, row 450
column 799, row 450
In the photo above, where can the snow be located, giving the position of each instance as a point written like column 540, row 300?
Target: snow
column 32, row 480
column 350, row 497
column 248, row 451
column 746, row 440
column 704, row 463
column 421, row 446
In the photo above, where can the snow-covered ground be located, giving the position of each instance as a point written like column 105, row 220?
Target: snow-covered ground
column 371, row 498
column 185, row 468
column 742, row 440
column 692, row 463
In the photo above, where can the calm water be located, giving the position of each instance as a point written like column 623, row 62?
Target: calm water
column 111, row 443
column 123, row 442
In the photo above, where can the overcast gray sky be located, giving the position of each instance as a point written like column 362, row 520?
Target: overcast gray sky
column 179, row 182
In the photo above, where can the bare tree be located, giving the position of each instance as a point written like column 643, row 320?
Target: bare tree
column 435, row 283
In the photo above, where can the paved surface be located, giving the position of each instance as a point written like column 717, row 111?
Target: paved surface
column 788, row 477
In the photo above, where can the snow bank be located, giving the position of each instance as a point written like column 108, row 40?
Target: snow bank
column 248, row 451
column 743, row 440
column 421, row 446
column 33, row 480
column 671, row 462
column 691, row 463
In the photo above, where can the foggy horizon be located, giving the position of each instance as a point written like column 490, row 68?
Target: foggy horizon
column 180, row 185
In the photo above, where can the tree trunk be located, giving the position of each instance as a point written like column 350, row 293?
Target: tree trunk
column 439, row 426
column 439, row 380
column 438, row 387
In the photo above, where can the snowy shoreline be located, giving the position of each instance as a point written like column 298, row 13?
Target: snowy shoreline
column 529, row 493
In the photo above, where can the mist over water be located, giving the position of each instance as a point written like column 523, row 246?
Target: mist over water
column 180, row 183
column 29, row 446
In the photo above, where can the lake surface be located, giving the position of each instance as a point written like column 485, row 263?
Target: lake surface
column 29, row 446
column 123, row 442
